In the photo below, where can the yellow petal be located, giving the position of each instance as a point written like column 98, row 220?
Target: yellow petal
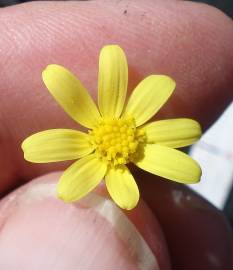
column 148, row 97
column 173, row 132
column 169, row 163
column 56, row 145
column 80, row 178
column 113, row 80
column 71, row 95
column 122, row 187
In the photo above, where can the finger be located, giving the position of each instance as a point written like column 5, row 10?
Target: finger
column 198, row 235
column 91, row 234
column 196, row 53
column 210, row 79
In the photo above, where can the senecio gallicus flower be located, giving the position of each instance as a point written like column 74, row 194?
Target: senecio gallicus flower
column 117, row 132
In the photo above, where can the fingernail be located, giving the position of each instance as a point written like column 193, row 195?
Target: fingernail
column 38, row 231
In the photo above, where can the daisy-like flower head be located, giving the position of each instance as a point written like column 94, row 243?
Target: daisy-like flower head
column 117, row 133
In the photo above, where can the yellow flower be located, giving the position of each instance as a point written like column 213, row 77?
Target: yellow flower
column 117, row 133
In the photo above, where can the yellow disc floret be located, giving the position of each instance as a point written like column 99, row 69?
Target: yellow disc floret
column 116, row 140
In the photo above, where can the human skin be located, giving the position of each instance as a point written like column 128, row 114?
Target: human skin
column 191, row 43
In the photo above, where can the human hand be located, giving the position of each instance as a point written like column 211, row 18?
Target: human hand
column 191, row 43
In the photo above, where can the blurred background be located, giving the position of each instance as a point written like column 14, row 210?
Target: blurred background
column 215, row 149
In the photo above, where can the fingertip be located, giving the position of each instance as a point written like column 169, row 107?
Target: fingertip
column 198, row 234
column 92, row 233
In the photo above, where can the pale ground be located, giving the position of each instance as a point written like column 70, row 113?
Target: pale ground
column 214, row 152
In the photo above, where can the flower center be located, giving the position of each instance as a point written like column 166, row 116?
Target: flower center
column 116, row 140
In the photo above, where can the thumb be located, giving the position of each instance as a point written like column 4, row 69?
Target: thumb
column 90, row 234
